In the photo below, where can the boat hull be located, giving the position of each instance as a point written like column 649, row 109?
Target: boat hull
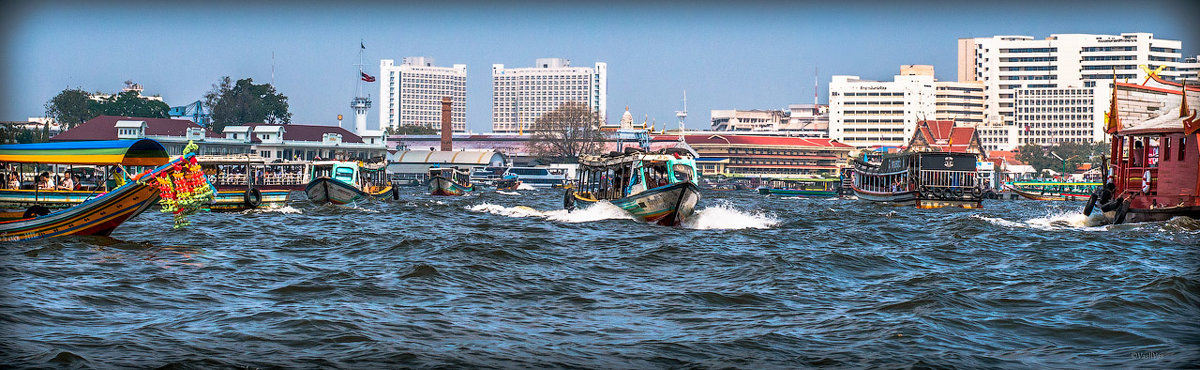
column 98, row 216
column 1055, row 195
column 325, row 190
column 914, row 198
column 234, row 199
column 445, row 187
column 798, row 192
column 668, row 205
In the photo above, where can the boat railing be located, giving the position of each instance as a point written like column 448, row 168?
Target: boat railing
column 1135, row 177
column 949, row 179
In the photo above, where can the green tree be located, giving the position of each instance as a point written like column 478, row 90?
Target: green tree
column 241, row 102
column 567, row 132
column 131, row 104
column 71, row 107
column 1052, row 156
column 413, row 130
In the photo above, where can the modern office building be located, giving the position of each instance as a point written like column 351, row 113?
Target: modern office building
column 411, row 93
column 1006, row 64
column 521, row 95
column 865, row 113
column 961, row 102
column 804, row 120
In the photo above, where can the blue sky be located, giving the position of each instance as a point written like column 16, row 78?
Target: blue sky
column 756, row 55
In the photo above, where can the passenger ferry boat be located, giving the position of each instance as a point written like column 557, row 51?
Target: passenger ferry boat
column 656, row 187
column 341, row 182
column 1053, row 190
column 538, row 177
column 126, row 192
column 823, row 188
column 921, row 179
column 450, row 181
column 1155, row 165
column 248, row 182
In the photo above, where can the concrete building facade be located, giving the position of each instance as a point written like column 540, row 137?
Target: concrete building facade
column 865, row 113
column 411, row 93
column 521, row 95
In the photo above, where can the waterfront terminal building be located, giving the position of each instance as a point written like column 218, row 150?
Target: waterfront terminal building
column 411, row 93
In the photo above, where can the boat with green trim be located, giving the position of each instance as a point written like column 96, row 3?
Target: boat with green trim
column 822, row 188
column 1053, row 190
column 659, row 187
column 341, row 182
column 129, row 195
column 247, row 181
column 450, row 181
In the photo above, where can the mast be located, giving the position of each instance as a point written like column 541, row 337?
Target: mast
column 682, row 115
column 360, row 104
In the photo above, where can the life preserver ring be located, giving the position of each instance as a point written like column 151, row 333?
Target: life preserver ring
column 569, row 200
column 1121, row 212
column 1146, row 181
column 1091, row 203
column 252, row 198
column 36, row 211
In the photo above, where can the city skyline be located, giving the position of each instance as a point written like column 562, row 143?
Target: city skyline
column 743, row 56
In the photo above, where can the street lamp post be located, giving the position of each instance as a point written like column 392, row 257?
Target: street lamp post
column 1064, row 161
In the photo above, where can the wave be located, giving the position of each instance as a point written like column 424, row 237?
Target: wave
column 525, row 186
column 1054, row 221
column 723, row 216
column 284, row 209
column 595, row 212
column 507, row 192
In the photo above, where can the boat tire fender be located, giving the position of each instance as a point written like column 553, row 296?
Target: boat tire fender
column 1122, row 211
column 1091, row 203
column 977, row 193
column 958, row 192
column 36, row 211
column 395, row 193
column 569, row 200
column 252, row 198
column 937, row 193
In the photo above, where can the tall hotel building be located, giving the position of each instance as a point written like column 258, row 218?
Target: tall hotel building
column 521, row 95
column 868, row 113
column 411, row 93
column 1055, row 89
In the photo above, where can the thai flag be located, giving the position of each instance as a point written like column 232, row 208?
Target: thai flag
column 366, row 77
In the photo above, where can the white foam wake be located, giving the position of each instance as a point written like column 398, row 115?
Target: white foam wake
column 722, row 216
column 525, row 186
column 508, row 192
column 277, row 209
column 595, row 212
column 1054, row 221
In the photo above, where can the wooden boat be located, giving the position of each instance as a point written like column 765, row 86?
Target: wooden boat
column 822, row 188
column 248, row 182
column 509, row 184
column 920, row 179
column 101, row 213
column 1053, row 190
column 1155, row 165
column 89, row 182
column 656, row 187
column 449, row 181
column 349, row 182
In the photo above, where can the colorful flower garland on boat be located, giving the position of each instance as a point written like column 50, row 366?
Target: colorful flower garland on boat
column 183, row 189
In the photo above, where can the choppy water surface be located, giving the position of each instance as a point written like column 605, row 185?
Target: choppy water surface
column 510, row 280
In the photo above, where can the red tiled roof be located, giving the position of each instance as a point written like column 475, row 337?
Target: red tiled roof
column 1007, row 156
column 310, row 132
column 104, row 128
column 759, row 140
column 945, row 136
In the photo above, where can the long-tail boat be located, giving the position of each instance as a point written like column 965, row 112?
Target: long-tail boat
column 1155, row 164
column 1053, row 190
column 248, row 182
column 659, row 187
column 340, row 182
column 921, row 179
column 449, row 181
column 823, row 188
column 102, row 212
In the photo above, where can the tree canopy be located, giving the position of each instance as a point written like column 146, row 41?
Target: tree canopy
column 412, row 130
column 567, row 132
column 1074, row 154
column 241, row 102
column 74, row 106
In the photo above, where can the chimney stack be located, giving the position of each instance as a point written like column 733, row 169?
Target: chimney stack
column 447, row 139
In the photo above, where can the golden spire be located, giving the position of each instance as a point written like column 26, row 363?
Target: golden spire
column 1112, row 118
column 1183, row 108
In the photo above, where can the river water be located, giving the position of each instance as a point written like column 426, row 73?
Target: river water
column 508, row 279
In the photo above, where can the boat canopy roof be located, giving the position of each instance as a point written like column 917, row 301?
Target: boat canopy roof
column 141, row 152
column 604, row 161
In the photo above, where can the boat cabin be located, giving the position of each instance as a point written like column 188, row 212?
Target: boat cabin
column 614, row 177
column 244, row 170
column 369, row 178
column 454, row 174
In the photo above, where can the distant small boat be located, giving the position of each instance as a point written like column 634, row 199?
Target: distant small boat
column 653, row 187
column 823, row 188
column 538, row 177
column 507, row 184
column 348, row 182
column 449, row 181
column 1053, row 190
column 103, row 212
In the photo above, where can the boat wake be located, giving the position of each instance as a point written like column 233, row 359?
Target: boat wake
column 722, row 216
column 1054, row 221
column 525, row 186
column 596, row 212
column 284, row 209
column 507, row 192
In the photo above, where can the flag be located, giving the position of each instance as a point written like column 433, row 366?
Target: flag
column 366, row 77
column 361, row 45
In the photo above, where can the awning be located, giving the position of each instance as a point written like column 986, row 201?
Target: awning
column 142, row 152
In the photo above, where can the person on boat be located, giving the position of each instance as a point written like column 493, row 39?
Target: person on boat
column 68, row 182
column 14, row 180
column 45, row 182
column 1137, row 154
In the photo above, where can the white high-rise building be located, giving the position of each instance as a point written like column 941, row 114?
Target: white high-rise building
column 521, row 95
column 867, row 113
column 411, row 93
column 1008, row 63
